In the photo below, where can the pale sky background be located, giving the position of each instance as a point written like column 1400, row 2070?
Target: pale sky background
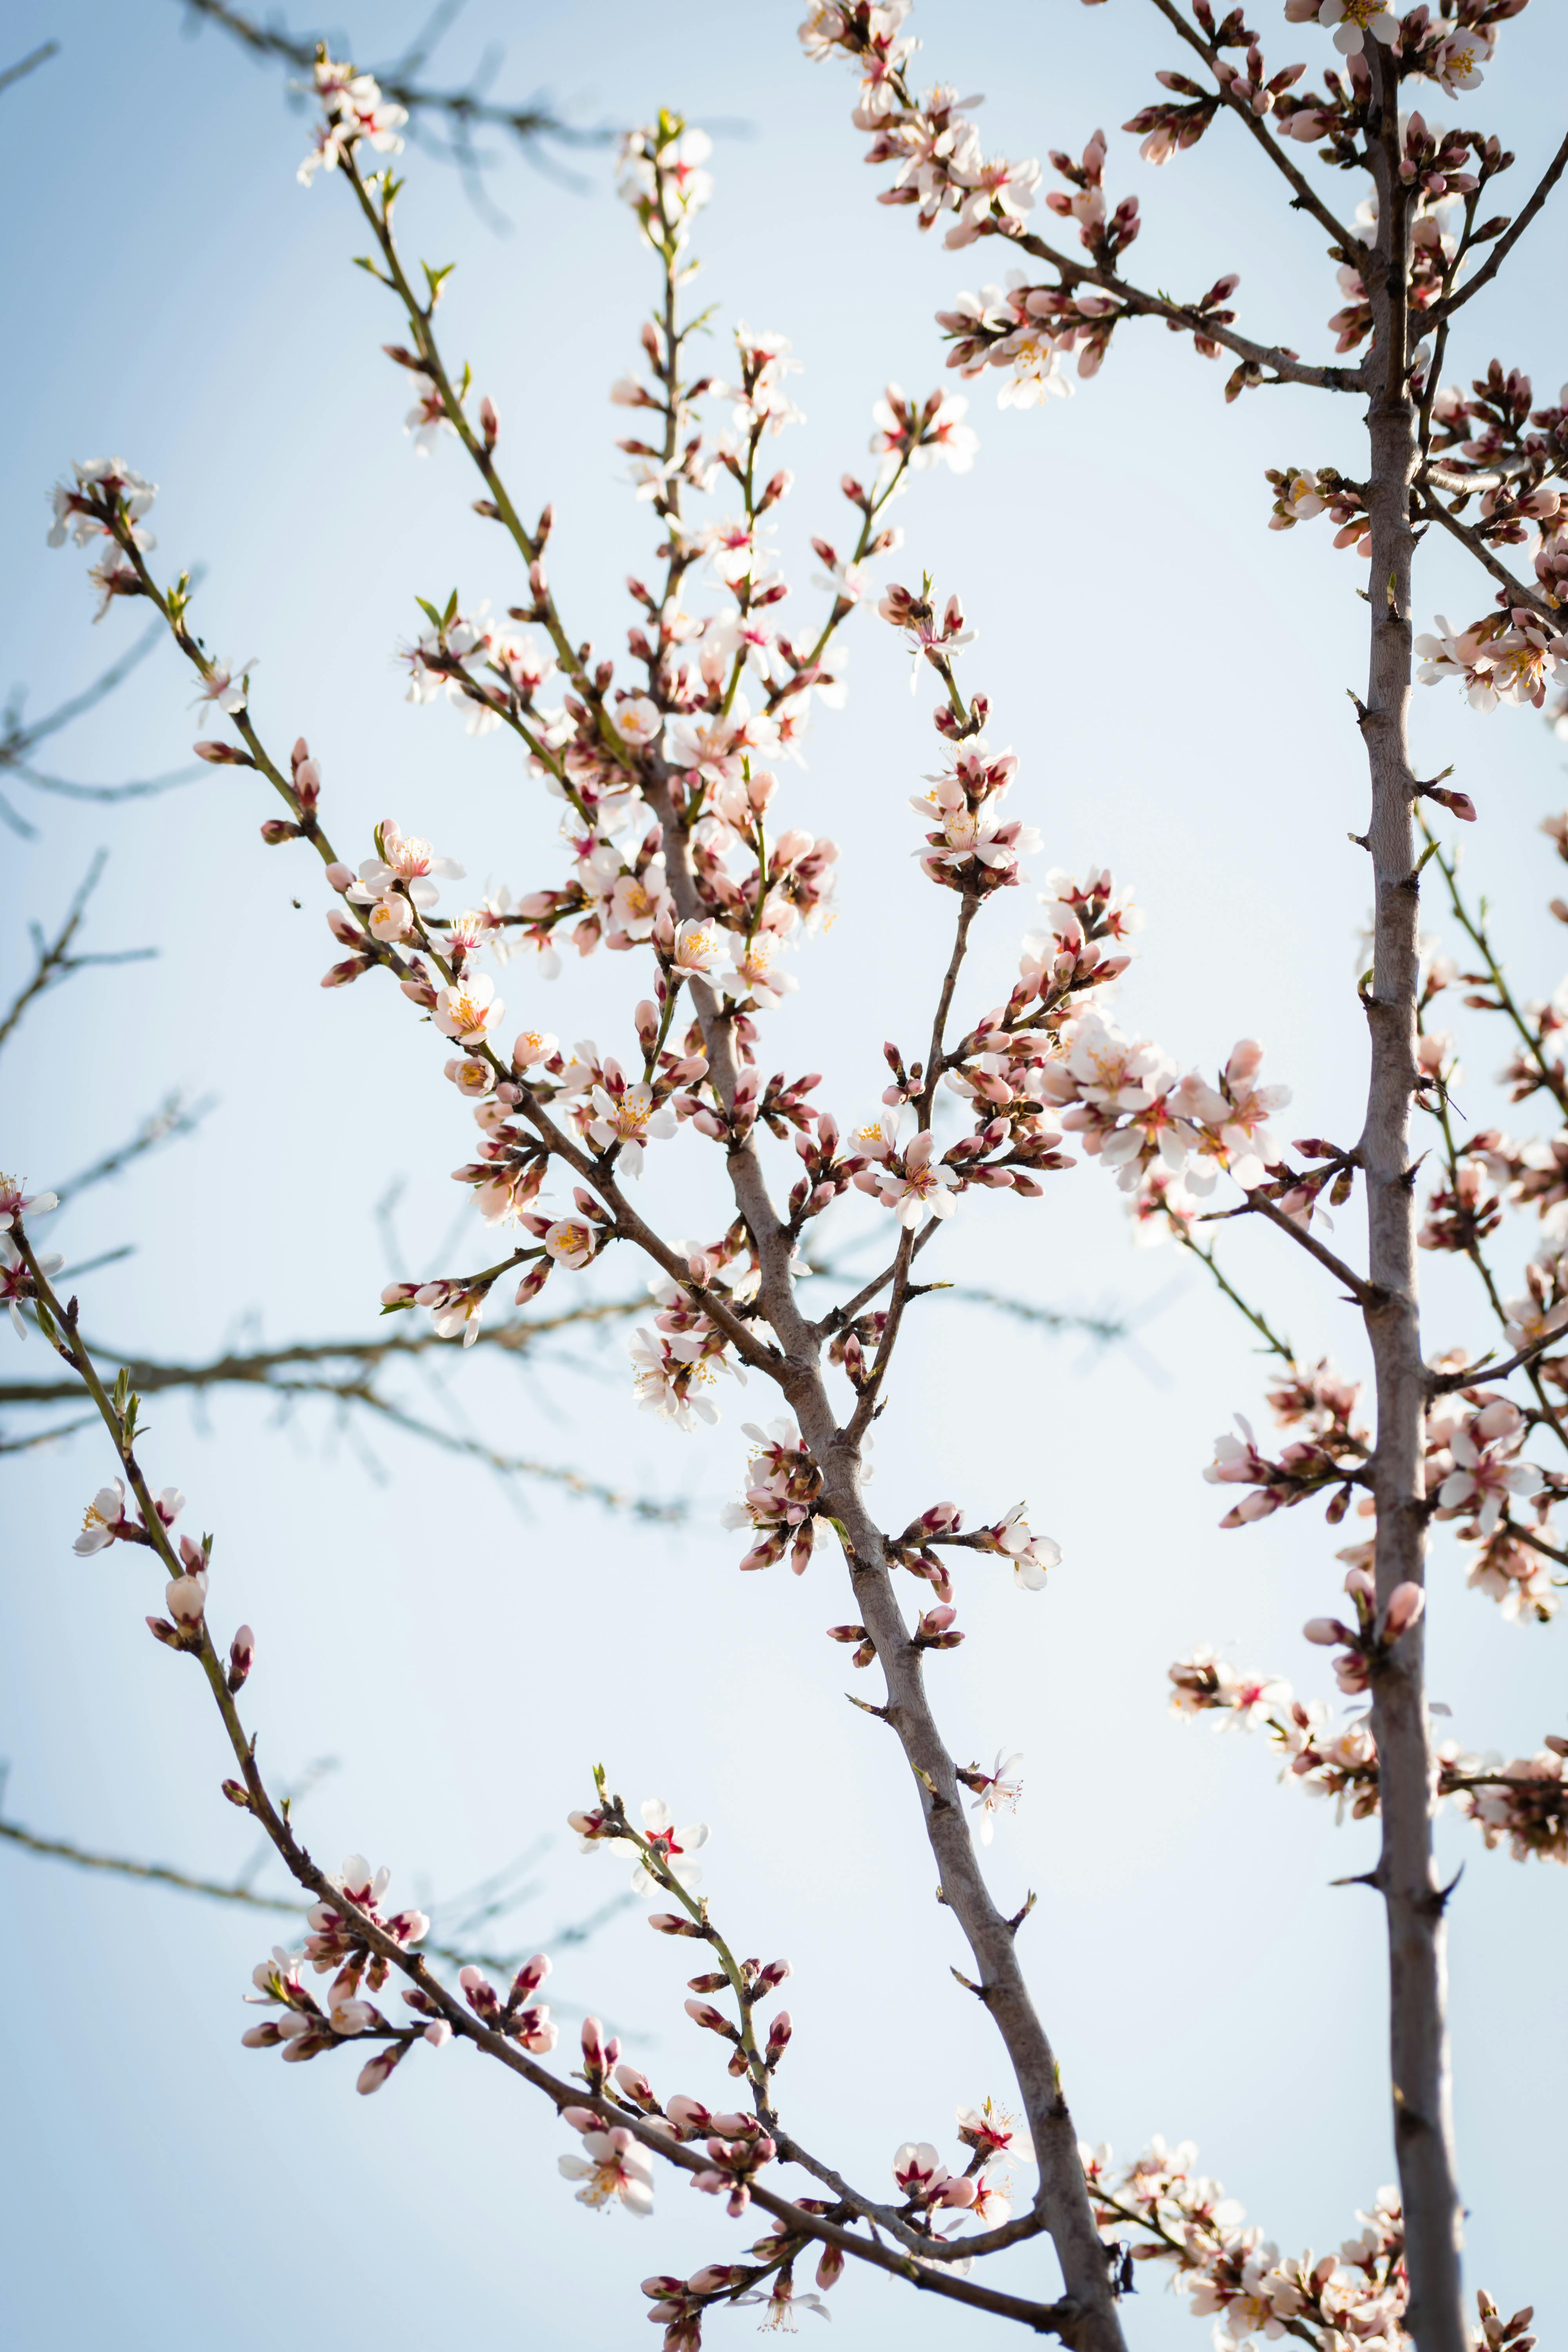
column 1172, row 677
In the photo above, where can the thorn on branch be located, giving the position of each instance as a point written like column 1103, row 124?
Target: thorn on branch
column 1363, row 1878
column 1439, row 1901
column 1016, row 1921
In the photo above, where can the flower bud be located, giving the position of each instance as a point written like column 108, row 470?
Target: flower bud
column 490, row 423
column 275, row 832
column 185, row 1598
column 1326, row 1631
column 1405, row 1603
column 223, row 755
column 529, row 1978
column 703, row 2014
column 480, row 1993
column 237, row 1795
column 372, row 2076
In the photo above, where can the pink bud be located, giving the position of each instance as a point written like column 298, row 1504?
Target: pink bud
column 530, row 1977
column 480, row 1993
column 830, row 2269
column 1405, row 1603
column 339, row 875
column 490, row 423
column 1326, row 1631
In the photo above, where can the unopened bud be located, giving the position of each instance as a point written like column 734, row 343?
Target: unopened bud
column 237, row 1795
column 185, row 1597
column 223, row 755
column 241, row 1658
column 1405, row 1603
column 490, row 423
column 480, row 1994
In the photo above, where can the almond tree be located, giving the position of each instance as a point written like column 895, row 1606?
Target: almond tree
column 675, row 858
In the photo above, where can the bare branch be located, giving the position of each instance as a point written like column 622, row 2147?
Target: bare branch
column 29, row 64
column 54, row 961
column 464, row 110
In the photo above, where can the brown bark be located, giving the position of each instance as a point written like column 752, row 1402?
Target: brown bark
column 1418, row 2045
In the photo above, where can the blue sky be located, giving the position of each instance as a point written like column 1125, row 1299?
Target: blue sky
column 1172, row 677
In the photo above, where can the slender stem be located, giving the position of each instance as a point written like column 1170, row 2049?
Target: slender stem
column 1364, row 1294
column 1506, row 243
column 1475, row 930
column 1525, row 1359
column 1432, row 510
column 1306, row 198
column 1275, row 1345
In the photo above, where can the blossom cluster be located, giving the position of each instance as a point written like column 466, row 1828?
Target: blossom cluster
column 1473, row 1469
column 1523, row 1799
column 1232, row 2274
column 310, row 2024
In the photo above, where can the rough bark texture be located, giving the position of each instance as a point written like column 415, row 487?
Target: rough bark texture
column 1063, row 2197
column 1423, row 2130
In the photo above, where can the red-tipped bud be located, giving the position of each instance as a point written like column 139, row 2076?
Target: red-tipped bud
column 480, row 1994
column 529, row 1978
column 241, row 1658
